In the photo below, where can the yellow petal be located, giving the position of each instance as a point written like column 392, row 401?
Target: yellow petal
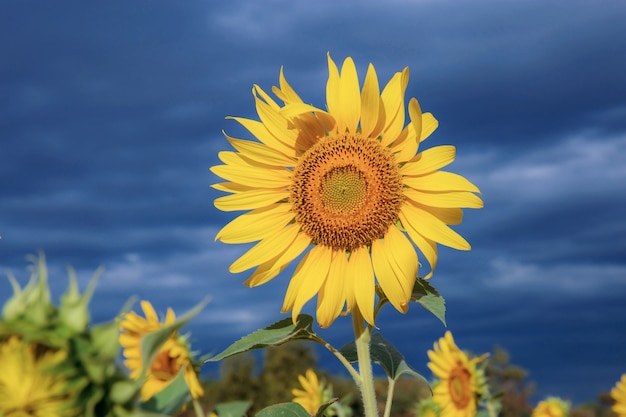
column 440, row 181
column 452, row 199
column 268, row 270
column 370, row 102
column 256, row 225
column 331, row 299
column 286, row 93
column 361, row 276
column 248, row 200
column 429, row 124
column 433, row 228
column 426, row 246
column 265, row 97
column 307, row 279
column 333, row 95
column 260, row 152
column 429, row 160
column 415, row 113
column 395, row 272
column 148, row 311
column 275, row 123
column 254, row 176
column 393, row 99
column 405, row 146
column 350, row 95
column 259, row 130
column 266, row 249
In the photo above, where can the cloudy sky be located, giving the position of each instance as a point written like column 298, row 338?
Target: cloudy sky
column 111, row 116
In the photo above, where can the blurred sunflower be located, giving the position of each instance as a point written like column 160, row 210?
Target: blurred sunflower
column 28, row 384
column 551, row 407
column 461, row 384
column 618, row 393
column 311, row 397
column 428, row 408
column 348, row 181
column 173, row 355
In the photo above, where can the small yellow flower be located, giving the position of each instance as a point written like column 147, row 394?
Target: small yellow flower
column 28, row 388
column 311, row 397
column 460, row 385
column 345, row 187
column 618, row 393
column 551, row 407
column 172, row 356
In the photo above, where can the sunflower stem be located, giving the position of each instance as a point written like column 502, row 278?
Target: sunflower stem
column 197, row 408
column 390, row 389
column 362, row 338
column 355, row 375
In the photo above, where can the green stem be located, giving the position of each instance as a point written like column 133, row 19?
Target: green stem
column 197, row 408
column 390, row 388
column 362, row 335
column 355, row 375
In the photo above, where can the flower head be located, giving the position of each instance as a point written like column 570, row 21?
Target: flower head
column 312, row 395
column 172, row 356
column 551, row 407
column 28, row 384
column 350, row 185
column 618, row 393
column 460, row 383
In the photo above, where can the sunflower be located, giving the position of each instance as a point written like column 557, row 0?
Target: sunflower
column 28, row 385
column 172, row 356
column 311, row 397
column 350, row 185
column 428, row 408
column 618, row 393
column 551, row 407
column 460, row 382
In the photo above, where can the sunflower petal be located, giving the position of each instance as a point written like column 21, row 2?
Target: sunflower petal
column 259, row 131
column 429, row 160
column 452, row 199
column 426, row 246
column 247, row 200
column 331, row 298
column 256, row 224
column 363, row 283
column 350, row 110
column 370, row 102
column 266, row 249
column 254, row 176
column 433, row 228
column 440, row 181
column 333, row 95
column 307, row 279
column 260, row 153
column 393, row 99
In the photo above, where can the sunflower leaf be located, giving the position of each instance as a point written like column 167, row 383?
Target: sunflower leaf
column 233, row 408
column 276, row 334
column 429, row 298
column 171, row 398
column 284, row 410
column 385, row 354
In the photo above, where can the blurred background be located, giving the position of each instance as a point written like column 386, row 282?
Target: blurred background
column 111, row 115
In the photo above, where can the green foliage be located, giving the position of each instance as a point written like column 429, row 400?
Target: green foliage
column 233, row 409
column 276, row 334
column 429, row 298
column 509, row 381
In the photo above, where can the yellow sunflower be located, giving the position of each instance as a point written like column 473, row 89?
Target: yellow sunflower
column 348, row 182
column 28, row 386
column 618, row 393
column 460, row 384
column 172, row 356
column 551, row 407
column 311, row 397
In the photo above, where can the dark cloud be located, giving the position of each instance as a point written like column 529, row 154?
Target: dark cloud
column 112, row 115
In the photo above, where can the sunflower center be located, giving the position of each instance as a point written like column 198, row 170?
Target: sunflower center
column 459, row 386
column 346, row 191
column 343, row 190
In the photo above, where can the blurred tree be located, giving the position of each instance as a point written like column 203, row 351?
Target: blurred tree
column 510, row 381
column 281, row 367
column 238, row 381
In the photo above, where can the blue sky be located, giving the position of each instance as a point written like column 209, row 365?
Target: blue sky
column 112, row 116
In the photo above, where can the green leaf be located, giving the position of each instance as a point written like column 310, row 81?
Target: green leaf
column 152, row 342
column 323, row 407
column 276, row 334
column 284, row 410
column 385, row 354
column 429, row 298
column 169, row 400
column 233, row 408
